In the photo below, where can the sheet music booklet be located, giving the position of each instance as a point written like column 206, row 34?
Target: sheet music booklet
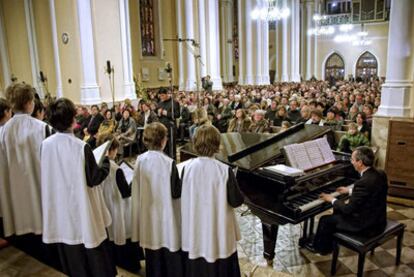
column 100, row 152
column 128, row 171
column 310, row 154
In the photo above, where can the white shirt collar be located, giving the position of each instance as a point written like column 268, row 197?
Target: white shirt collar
column 363, row 171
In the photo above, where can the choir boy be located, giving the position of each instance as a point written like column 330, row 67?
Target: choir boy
column 117, row 194
column 20, row 193
column 156, row 207
column 75, row 216
column 209, row 226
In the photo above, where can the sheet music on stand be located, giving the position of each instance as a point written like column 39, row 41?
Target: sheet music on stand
column 100, row 152
column 128, row 171
column 310, row 154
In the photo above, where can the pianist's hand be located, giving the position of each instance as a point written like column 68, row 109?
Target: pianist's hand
column 326, row 197
column 343, row 190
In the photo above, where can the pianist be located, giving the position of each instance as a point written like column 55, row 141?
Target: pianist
column 365, row 213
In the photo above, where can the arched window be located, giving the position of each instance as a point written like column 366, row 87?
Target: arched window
column 335, row 67
column 367, row 66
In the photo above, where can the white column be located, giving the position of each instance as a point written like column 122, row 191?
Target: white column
column 295, row 41
column 129, row 86
column 256, row 47
column 265, row 53
column 309, row 40
column 180, row 32
column 213, row 51
column 89, row 88
column 55, row 38
column 242, row 38
column 34, row 57
column 397, row 92
column 202, row 37
column 190, row 81
column 248, row 39
column 226, row 16
column 316, row 73
column 4, row 55
column 285, row 38
column 277, row 45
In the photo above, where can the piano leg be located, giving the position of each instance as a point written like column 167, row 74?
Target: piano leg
column 269, row 241
column 307, row 234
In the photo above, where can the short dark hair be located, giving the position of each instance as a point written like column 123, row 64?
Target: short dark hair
column 38, row 107
column 365, row 155
column 4, row 107
column 61, row 114
column 163, row 91
column 95, row 106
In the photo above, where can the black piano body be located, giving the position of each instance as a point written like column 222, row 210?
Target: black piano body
column 274, row 198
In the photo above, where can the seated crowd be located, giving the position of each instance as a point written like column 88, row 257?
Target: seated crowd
column 257, row 109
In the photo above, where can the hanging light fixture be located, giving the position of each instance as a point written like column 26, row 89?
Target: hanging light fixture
column 273, row 10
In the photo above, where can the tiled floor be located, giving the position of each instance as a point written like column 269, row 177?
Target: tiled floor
column 289, row 260
column 300, row 262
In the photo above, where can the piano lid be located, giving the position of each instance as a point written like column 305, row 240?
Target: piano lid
column 251, row 151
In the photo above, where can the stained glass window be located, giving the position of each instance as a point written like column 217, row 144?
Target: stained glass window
column 146, row 10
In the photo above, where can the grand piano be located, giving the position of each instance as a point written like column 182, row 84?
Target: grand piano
column 275, row 198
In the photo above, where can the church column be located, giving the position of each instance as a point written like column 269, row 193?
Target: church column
column 265, row 52
column 180, row 32
column 397, row 92
column 213, row 47
column 4, row 55
column 295, row 41
column 226, row 15
column 309, row 40
column 190, row 79
column 34, row 57
column 55, row 38
column 245, row 42
column 316, row 73
column 285, row 38
column 256, row 45
column 90, row 93
column 129, row 86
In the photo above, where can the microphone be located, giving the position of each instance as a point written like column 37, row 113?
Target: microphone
column 168, row 68
column 194, row 43
column 13, row 78
column 42, row 77
column 108, row 67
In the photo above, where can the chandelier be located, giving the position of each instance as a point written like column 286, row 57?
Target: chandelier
column 272, row 10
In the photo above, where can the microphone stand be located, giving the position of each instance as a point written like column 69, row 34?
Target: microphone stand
column 171, row 141
column 197, row 59
column 110, row 71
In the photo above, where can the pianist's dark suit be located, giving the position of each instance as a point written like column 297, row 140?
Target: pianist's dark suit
column 365, row 213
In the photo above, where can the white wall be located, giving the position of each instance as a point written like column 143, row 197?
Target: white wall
column 377, row 32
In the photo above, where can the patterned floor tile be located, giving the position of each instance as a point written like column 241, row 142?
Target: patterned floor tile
column 408, row 239
column 407, row 254
column 407, row 212
column 396, row 206
column 292, row 258
column 352, row 264
column 375, row 273
column 409, row 224
column 395, row 215
column 401, row 270
column 325, row 268
column 382, row 258
column 306, row 271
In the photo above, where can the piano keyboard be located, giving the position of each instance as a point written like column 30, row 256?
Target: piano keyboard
column 312, row 200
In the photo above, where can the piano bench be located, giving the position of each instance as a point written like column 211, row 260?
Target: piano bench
column 362, row 245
